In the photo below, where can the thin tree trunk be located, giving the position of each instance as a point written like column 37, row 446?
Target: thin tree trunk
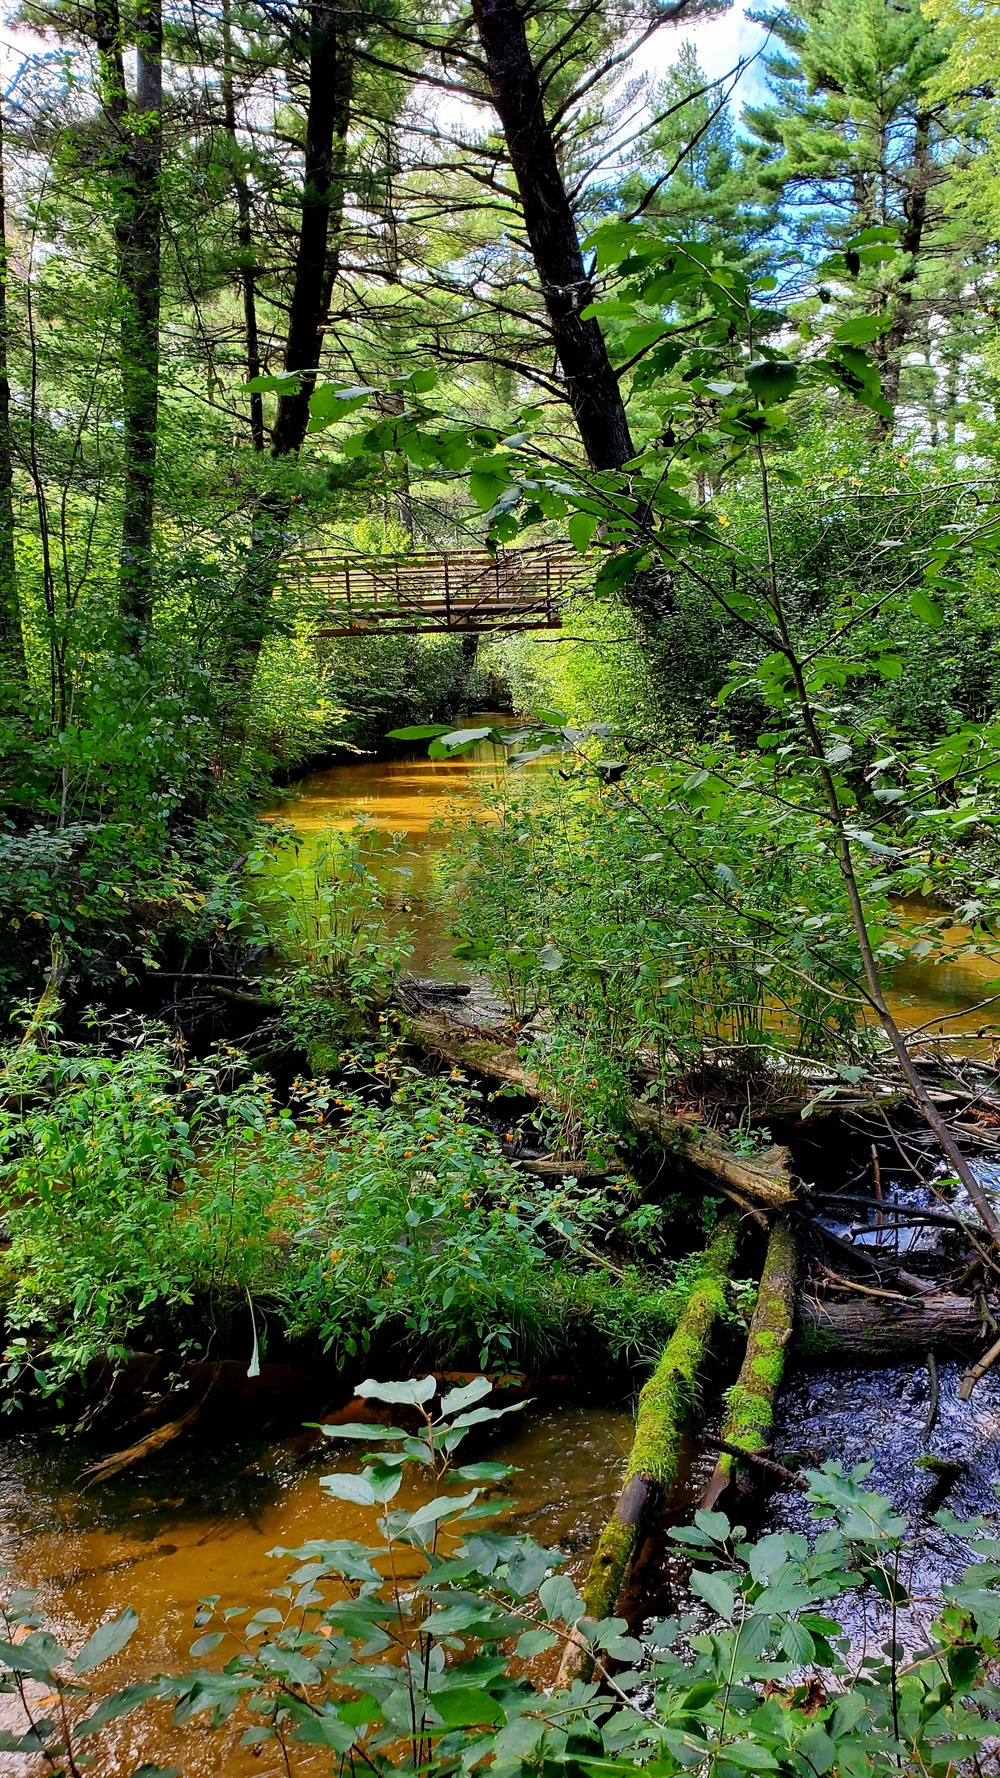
column 244, row 232
column 137, row 137
column 12, row 661
column 328, row 116
column 591, row 383
column 327, row 120
column 891, row 345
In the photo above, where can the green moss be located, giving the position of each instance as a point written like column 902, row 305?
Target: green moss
column 750, row 1402
column 663, row 1407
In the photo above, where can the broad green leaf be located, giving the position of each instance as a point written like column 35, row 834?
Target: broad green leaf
column 416, row 1390
column 772, row 379
column 421, row 731
column 862, row 329
column 559, row 1598
column 356, row 1488
column 356, row 1429
column 467, row 1705
column 106, row 1641
column 486, row 488
column 581, row 528
column 465, row 1395
column 925, row 608
column 716, row 1591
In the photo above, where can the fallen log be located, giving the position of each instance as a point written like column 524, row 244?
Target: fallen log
column 750, row 1402
column 857, row 1330
column 765, row 1178
column 119, row 1461
column 652, row 1464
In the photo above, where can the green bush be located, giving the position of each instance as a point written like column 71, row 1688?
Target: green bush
column 146, row 1196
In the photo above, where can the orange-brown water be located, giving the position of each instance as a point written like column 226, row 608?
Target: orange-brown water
column 203, row 1523
column 408, row 796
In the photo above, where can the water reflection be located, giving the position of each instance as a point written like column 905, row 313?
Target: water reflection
column 203, row 1522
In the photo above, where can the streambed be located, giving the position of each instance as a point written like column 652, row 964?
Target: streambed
column 201, row 1521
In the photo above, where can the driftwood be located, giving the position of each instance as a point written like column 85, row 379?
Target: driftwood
column 750, row 1402
column 765, row 1178
column 864, row 1330
column 652, row 1464
column 153, row 1441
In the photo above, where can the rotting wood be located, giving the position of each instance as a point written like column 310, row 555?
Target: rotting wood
column 153, row 1441
column 652, row 1463
column 864, row 1330
column 759, row 1460
column 766, row 1178
column 750, row 1402
column 976, row 1371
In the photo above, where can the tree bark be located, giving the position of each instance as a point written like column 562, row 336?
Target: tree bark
column 868, row 1330
column 664, row 1404
column 137, row 152
column 591, row 383
column 750, row 1402
column 890, row 346
column 328, row 116
column 12, row 661
column 327, row 119
column 764, row 1178
column 244, row 232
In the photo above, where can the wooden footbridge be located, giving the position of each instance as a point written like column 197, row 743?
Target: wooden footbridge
column 421, row 594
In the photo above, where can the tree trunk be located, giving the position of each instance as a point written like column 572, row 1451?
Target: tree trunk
column 327, row 120
column 664, row 1404
column 244, row 232
column 750, row 1402
column 764, row 1178
column 137, row 138
column 890, row 346
column 869, row 1330
column 591, row 383
column 328, row 116
column 12, row 662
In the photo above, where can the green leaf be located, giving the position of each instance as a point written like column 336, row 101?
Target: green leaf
column 157, row 1772
column 465, row 1395
column 38, row 1656
column 716, row 1591
column 356, row 1488
column 415, row 1390
column 282, row 383
column 106, row 1641
column 118, row 1704
column 581, row 528
column 925, row 608
column 862, row 329
column 356, row 1429
column 463, row 1706
column 486, row 488
column 205, row 1644
column 421, row 731
column 772, row 379
column 559, row 1598
column 535, row 1642
column 465, row 737
column 750, row 1755
column 797, row 1643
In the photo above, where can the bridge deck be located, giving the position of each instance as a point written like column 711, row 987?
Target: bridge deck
column 426, row 594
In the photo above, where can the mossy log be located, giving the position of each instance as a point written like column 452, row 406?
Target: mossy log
column 765, row 1177
column 750, row 1402
column 664, row 1404
column 868, row 1330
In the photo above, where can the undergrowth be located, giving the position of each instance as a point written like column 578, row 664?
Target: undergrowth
column 147, row 1196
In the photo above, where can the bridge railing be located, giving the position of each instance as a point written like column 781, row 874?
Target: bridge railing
column 423, row 593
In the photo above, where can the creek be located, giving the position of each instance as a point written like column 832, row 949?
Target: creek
column 201, row 1520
